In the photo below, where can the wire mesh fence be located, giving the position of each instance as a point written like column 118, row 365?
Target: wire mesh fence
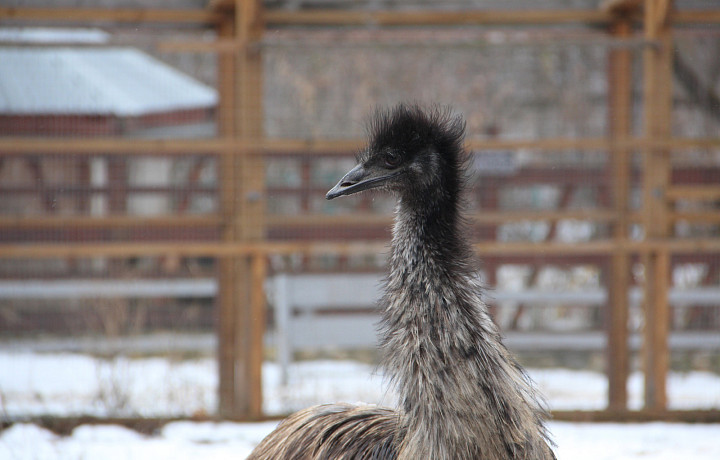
column 543, row 205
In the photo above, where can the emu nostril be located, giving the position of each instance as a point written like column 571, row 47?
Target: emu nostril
column 347, row 184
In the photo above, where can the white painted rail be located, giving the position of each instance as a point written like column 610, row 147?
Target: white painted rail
column 84, row 289
column 299, row 301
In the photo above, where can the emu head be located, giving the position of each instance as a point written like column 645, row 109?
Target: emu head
column 413, row 152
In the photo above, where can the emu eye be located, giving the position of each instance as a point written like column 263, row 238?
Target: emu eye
column 392, row 159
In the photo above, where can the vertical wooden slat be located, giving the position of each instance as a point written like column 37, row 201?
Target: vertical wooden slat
column 241, row 313
column 256, row 328
column 226, row 266
column 657, row 100
column 656, row 332
column 620, row 123
column 250, row 117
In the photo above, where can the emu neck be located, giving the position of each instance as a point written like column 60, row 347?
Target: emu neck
column 430, row 225
column 428, row 249
column 461, row 393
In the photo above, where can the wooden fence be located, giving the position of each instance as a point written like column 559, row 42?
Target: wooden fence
column 242, row 223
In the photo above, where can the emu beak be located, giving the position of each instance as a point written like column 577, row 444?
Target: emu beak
column 357, row 180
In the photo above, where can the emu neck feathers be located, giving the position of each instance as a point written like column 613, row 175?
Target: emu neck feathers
column 462, row 391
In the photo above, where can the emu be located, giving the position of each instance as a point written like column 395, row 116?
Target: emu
column 461, row 393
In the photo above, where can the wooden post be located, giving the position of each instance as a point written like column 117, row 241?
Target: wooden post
column 657, row 100
column 228, row 197
column 656, row 330
column 242, row 175
column 256, row 331
column 250, row 223
column 249, row 102
column 620, row 124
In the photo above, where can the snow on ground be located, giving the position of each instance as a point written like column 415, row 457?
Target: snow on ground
column 71, row 384
column 188, row 440
column 177, row 441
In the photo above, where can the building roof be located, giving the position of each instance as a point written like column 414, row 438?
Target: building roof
column 117, row 81
column 52, row 35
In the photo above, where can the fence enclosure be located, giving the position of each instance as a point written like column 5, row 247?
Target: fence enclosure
column 625, row 205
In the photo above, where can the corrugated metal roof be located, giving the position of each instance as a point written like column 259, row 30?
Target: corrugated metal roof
column 108, row 81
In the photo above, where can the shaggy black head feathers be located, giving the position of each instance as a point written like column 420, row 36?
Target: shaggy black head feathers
column 422, row 147
column 412, row 129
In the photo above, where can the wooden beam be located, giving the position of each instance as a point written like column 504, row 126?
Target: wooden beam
column 682, row 143
column 432, row 17
column 497, row 217
column 320, row 220
column 249, row 223
column 695, row 17
column 319, row 146
column 217, row 249
column 229, row 250
column 114, row 146
column 620, row 124
column 243, row 205
column 226, row 46
column 249, row 106
column 282, row 17
column 151, row 425
column 685, row 245
column 197, row 46
column 232, row 250
column 470, row 17
column 481, row 218
column 304, row 220
column 639, row 416
column 228, row 145
column 707, row 216
column 119, row 15
column 592, row 247
column 604, row 247
column 693, row 192
column 256, row 328
column 656, row 328
column 117, row 221
column 657, row 100
column 227, row 276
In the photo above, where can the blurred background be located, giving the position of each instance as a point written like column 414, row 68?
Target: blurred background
column 166, row 249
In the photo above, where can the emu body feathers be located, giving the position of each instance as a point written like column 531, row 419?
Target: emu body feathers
column 334, row 431
column 462, row 395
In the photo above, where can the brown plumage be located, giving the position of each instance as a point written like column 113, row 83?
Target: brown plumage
column 462, row 395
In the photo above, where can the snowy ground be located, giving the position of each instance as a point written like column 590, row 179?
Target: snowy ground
column 77, row 384
column 71, row 384
column 186, row 440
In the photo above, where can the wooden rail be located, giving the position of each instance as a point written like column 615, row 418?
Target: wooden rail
column 119, row 221
column 332, row 18
column 121, row 15
column 230, row 250
column 693, row 192
column 224, row 146
column 151, row 425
